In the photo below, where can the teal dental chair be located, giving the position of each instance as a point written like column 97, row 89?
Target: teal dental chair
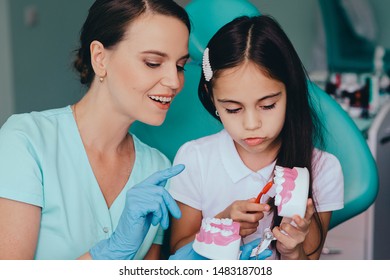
column 347, row 50
column 187, row 119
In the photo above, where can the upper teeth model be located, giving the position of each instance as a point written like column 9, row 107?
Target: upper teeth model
column 292, row 188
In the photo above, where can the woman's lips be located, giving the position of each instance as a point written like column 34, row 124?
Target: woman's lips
column 163, row 106
column 163, row 102
column 253, row 141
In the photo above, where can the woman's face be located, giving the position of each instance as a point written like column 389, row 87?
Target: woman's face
column 145, row 70
column 252, row 108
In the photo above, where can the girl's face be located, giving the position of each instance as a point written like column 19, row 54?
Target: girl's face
column 145, row 70
column 252, row 109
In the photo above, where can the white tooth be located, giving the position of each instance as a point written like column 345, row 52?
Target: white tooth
column 226, row 232
column 214, row 230
column 279, row 180
column 161, row 98
column 227, row 221
column 278, row 199
column 279, row 173
column 278, row 189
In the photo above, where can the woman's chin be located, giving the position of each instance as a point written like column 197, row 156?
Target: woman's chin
column 156, row 121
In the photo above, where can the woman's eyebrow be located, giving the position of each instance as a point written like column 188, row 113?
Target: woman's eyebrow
column 155, row 52
column 162, row 54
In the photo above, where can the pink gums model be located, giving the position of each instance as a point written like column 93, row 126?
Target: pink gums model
column 218, row 239
column 292, row 187
column 219, row 234
column 287, row 186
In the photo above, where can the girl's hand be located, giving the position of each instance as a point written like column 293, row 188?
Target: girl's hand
column 247, row 213
column 292, row 233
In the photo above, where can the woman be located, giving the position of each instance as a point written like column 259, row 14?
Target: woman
column 73, row 181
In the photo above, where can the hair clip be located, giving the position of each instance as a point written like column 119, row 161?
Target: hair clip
column 207, row 71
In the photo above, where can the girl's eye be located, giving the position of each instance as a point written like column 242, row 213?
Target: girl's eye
column 233, row 111
column 180, row 68
column 268, row 107
column 152, row 64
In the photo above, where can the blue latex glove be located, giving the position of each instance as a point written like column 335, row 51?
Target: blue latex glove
column 246, row 251
column 187, row 253
column 146, row 203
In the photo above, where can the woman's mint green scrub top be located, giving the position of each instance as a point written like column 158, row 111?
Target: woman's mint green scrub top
column 43, row 162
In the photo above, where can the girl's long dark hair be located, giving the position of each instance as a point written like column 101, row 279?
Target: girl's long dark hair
column 261, row 40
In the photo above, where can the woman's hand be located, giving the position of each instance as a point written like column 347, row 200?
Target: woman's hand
column 292, row 233
column 247, row 212
column 146, row 203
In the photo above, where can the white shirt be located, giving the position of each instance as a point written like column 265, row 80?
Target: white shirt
column 215, row 177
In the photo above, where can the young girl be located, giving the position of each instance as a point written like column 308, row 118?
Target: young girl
column 255, row 84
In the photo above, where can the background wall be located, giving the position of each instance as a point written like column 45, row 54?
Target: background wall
column 381, row 9
column 43, row 51
column 39, row 75
column 6, row 92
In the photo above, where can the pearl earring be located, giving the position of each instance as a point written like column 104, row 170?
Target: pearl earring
column 216, row 113
column 101, row 79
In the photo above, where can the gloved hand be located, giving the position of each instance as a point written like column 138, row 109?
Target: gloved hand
column 146, row 203
column 246, row 251
column 186, row 253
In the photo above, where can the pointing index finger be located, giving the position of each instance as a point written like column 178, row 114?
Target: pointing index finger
column 160, row 178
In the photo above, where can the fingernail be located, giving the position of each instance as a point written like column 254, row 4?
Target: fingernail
column 178, row 167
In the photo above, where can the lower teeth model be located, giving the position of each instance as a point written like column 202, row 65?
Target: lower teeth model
column 218, row 239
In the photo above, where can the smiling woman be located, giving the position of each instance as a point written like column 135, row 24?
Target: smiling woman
column 74, row 183
column 144, row 67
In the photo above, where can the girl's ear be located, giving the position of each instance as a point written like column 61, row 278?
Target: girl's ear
column 98, row 61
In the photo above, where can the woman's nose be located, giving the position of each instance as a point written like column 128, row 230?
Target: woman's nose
column 172, row 79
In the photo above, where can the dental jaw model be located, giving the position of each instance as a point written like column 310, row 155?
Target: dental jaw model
column 292, row 189
column 218, row 239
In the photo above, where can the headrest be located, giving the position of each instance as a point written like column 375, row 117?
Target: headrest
column 207, row 16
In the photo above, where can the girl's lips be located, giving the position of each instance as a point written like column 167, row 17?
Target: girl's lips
column 253, row 141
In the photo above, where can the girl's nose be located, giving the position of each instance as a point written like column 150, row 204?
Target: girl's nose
column 252, row 120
